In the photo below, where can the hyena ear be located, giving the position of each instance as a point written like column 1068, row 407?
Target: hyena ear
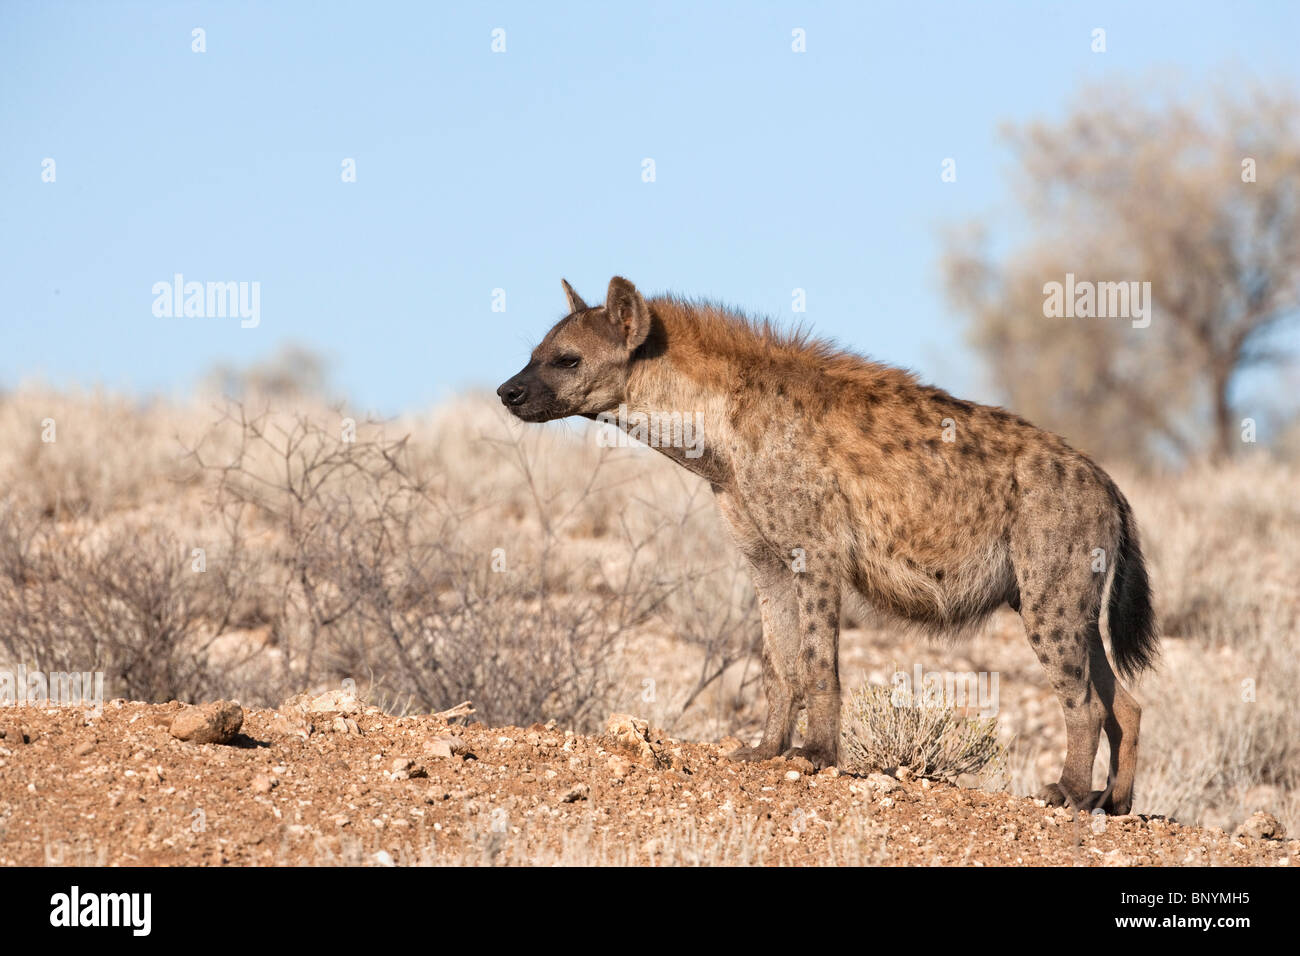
column 575, row 301
column 628, row 312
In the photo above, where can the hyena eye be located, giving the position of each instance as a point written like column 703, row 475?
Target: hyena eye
column 568, row 361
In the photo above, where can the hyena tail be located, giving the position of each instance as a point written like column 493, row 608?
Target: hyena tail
column 1133, row 639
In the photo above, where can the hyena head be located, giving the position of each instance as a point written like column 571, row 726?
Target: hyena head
column 581, row 366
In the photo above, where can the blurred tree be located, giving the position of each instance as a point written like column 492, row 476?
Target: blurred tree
column 293, row 371
column 1202, row 200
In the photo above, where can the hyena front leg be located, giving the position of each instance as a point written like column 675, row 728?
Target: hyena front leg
column 817, row 591
column 774, row 585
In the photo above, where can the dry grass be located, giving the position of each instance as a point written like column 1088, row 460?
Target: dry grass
column 1221, row 727
column 374, row 560
column 888, row 727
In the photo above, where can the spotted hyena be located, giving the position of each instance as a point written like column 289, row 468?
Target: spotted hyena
column 833, row 471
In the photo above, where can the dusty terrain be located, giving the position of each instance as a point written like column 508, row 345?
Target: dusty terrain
column 362, row 787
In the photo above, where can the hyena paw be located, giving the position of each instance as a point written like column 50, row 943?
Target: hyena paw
column 752, row 754
column 1056, row 795
column 818, row 757
column 1114, row 807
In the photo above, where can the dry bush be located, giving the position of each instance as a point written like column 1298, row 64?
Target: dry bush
column 886, row 727
column 553, row 496
column 712, row 612
column 129, row 603
column 370, row 559
column 387, row 576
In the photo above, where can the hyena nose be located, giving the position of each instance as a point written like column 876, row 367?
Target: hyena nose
column 512, row 394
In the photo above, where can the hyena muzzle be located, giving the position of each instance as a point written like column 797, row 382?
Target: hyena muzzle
column 832, row 471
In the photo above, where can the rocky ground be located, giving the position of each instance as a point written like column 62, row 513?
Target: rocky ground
column 324, row 781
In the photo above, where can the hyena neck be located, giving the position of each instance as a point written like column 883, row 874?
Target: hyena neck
column 677, row 413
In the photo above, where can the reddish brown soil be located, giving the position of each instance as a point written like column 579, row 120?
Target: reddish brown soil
column 118, row 789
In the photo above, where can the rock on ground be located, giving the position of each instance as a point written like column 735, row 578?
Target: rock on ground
column 1261, row 826
column 214, row 723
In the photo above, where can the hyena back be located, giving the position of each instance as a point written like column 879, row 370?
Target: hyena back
column 833, row 471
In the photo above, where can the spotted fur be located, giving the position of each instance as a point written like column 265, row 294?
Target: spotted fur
column 834, row 472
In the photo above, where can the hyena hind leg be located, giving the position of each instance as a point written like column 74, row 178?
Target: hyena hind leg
column 1123, row 718
column 1062, row 638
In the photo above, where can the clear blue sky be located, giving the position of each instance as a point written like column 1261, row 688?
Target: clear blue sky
column 477, row 170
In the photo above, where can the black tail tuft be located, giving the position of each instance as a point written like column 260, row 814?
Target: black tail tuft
column 1133, row 640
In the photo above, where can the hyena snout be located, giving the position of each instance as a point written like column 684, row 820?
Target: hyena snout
column 528, row 397
column 513, row 392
